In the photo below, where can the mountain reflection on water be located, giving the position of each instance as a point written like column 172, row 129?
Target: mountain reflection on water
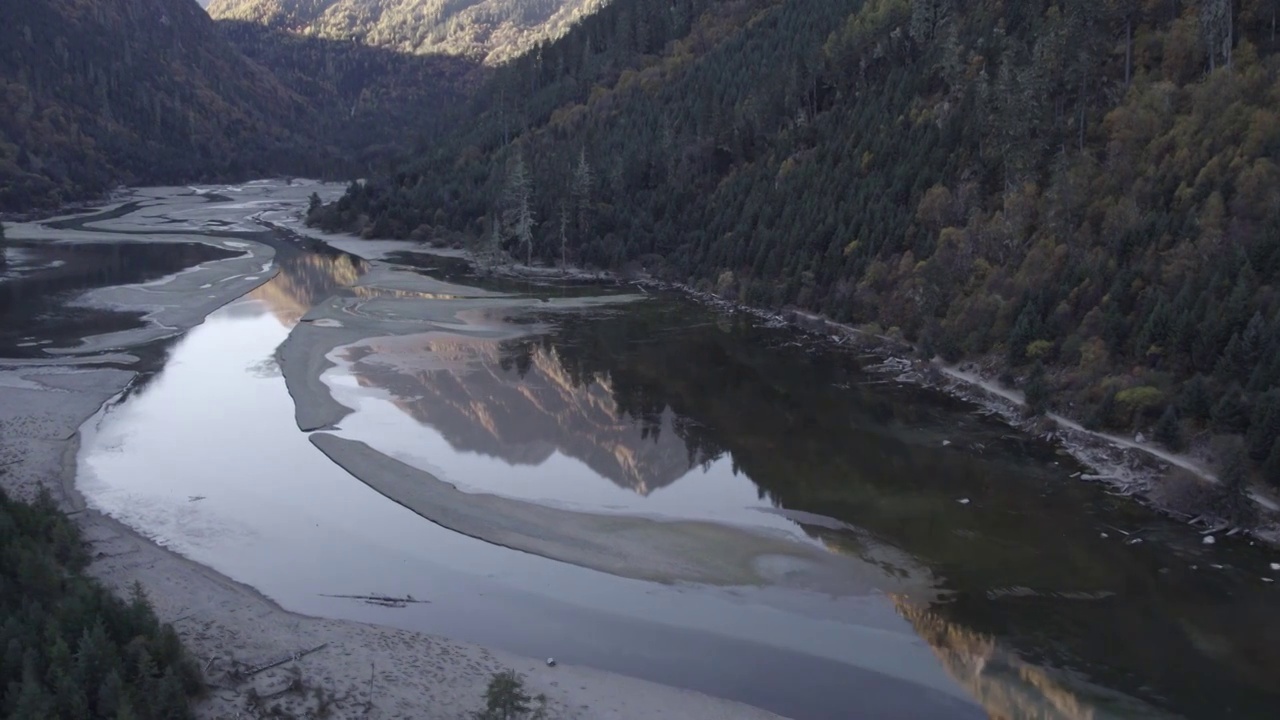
column 516, row 402
column 305, row 279
column 645, row 393
column 1045, row 612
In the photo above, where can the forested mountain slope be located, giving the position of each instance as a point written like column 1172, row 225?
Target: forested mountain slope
column 485, row 30
column 371, row 105
column 1084, row 186
column 93, row 94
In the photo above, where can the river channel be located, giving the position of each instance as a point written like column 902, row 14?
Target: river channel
column 961, row 570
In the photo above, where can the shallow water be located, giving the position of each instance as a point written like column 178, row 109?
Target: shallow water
column 1036, row 605
column 276, row 514
column 41, row 279
column 674, row 410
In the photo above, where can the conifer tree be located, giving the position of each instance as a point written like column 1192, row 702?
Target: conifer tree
column 1231, row 499
column 126, row 712
column 519, row 217
column 1264, row 426
column 111, row 695
column 583, row 179
column 1024, row 331
column 564, row 237
column 1271, row 468
column 28, row 698
column 1037, row 390
column 1104, row 415
column 1233, row 364
column 1168, row 432
column 1217, row 18
column 1230, row 413
column 505, row 698
column 1195, row 399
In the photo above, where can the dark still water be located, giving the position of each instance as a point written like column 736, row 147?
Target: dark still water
column 1005, row 587
column 41, row 278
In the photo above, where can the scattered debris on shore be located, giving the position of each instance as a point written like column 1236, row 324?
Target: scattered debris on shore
column 382, row 600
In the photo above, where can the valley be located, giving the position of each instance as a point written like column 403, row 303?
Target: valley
column 688, row 358
column 886, row 517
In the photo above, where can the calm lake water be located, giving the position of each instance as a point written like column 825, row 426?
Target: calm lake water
column 40, row 279
column 1036, row 604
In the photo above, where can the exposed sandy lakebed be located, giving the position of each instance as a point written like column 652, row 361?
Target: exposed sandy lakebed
column 411, row 675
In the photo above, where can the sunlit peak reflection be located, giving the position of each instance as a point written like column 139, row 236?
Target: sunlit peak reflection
column 305, row 279
column 521, row 406
column 1008, row 686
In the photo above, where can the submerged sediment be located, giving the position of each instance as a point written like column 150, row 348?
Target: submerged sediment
column 628, row 546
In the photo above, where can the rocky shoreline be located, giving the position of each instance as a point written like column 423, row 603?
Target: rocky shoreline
column 1134, row 469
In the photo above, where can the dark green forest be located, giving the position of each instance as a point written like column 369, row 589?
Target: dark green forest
column 1083, row 193
column 136, row 92
column 368, row 105
column 72, row 649
column 98, row 94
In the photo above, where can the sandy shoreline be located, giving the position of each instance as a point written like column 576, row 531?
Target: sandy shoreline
column 228, row 625
column 635, row 547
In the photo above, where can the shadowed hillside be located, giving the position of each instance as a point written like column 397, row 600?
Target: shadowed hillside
column 137, row 92
column 370, row 104
column 133, row 91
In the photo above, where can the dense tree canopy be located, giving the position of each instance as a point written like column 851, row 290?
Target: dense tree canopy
column 369, row 105
column 1085, row 185
column 95, row 95
column 71, row 649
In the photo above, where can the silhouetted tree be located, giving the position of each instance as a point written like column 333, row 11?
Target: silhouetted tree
column 1168, row 431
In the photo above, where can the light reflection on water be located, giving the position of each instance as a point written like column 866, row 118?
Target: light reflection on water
column 536, row 436
column 662, row 414
column 206, row 459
